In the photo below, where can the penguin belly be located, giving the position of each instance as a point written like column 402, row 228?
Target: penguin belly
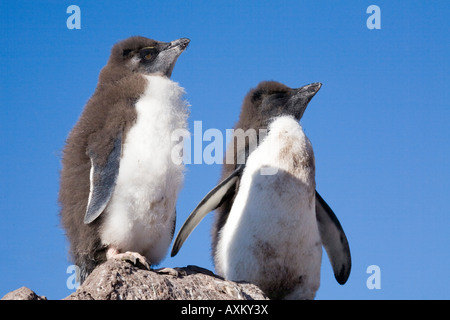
column 140, row 216
column 271, row 237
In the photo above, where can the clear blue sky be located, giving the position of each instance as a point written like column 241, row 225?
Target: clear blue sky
column 379, row 125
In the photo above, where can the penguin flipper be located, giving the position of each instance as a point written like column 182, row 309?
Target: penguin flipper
column 103, row 181
column 334, row 240
column 210, row 202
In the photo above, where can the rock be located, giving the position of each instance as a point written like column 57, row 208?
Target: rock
column 120, row 280
column 23, row 293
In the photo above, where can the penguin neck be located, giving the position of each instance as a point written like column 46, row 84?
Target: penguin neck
column 111, row 74
column 161, row 87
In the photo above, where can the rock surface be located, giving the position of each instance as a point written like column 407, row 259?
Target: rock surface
column 121, row 280
column 23, row 293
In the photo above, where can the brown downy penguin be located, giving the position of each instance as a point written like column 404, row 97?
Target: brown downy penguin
column 270, row 222
column 118, row 183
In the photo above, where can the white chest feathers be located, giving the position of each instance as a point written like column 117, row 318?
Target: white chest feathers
column 141, row 214
column 271, row 237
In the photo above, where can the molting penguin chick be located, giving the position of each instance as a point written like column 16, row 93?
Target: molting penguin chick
column 271, row 237
column 263, row 219
column 119, row 185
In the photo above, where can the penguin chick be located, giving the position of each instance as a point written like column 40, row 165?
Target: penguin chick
column 268, row 101
column 118, row 183
column 271, row 237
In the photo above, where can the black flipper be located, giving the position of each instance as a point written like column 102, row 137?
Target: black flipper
column 334, row 240
column 209, row 203
column 103, row 181
column 172, row 232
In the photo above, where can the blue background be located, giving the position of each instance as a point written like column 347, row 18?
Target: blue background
column 379, row 125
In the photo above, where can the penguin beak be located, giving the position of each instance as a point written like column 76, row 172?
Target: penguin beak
column 166, row 59
column 308, row 92
column 181, row 43
column 301, row 97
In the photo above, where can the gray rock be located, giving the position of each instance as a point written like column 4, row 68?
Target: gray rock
column 120, row 280
column 23, row 293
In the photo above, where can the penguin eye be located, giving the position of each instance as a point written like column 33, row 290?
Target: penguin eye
column 147, row 53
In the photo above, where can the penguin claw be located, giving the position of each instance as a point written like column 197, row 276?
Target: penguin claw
column 135, row 258
column 176, row 272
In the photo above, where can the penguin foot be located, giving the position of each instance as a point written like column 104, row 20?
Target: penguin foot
column 135, row 258
column 176, row 272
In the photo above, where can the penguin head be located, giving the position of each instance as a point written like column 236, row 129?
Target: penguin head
column 147, row 56
column 271, row 99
